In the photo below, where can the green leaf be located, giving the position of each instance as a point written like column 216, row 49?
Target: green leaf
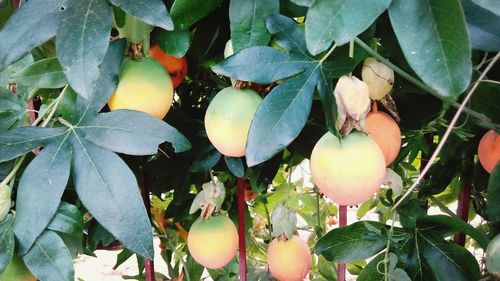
column 492, row 206
column 418, row 267
column 19, row 141
column 111, row 194
column 175, row 43
column 284, row 221
column 351, row 243
column 456, row 225
column 106, row 85
column 46, row 73
column 82, row 41
column 248, row 27
column 49, row 258
column 490, row 5
column 206, row 160
column 68, row 219
column 40, row 190
column 187, row 12
column 7, row 242
column 374, row 270
column 305, row 3
column 279, row 118
column 98, row 236
column 235, row 166
column 130, row 27
column 40, row 21
column 448, row 261
column 482, row 25
column 152, row 12
column 287, row 33
column 122, row 257
column 132, row 132
column 339, row 21
column 261, row 65
column 12, row 109
column 434, row 40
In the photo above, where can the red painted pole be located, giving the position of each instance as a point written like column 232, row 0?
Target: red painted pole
column 241, row 185
column 463, row 207
column 341, row 272
column 149, row 265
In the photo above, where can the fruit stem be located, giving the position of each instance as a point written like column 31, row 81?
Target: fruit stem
column 387, row 250
column 447, row 133
column 420, row 84
column 374, row 106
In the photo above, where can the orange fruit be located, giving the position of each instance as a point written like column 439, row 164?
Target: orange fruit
column 488, row 150
column 176, row 67
column 289, row 260
column 385, row 132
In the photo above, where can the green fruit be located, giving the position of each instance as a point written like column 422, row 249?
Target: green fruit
column 493, row 256
column 17, row 271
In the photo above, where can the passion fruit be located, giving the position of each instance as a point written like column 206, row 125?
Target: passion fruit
column 176, row 67
column 17, row 271
column 289, row 260
column 213, row 242
column 145, row 86
column 385, row 132
column 488, row 150
column 228, row 119
column 347, row 171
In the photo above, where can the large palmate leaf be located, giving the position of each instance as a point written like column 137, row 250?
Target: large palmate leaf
column 7, row 241
column 483, row 26
column 352, row 243
column 132, row 132
column 82, row 41
column 46, row 73
column 283, row 113
column 339, row 21
column 49, row 258
column 18, row 141
column 40, row 190
column 493, row 208
column 248, row 27
column 153, row 12
column 40, row 21
column 109, row 190
column 434, row 40
column 68, row 219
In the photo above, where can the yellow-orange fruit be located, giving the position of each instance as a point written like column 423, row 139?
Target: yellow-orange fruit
column 348, row 172
column 144, row 86
column 228, row 119
column 16, row 270
column 176, row 67
column 289, row 260
column 488, row 150
column 213, row 242
column 385, row 132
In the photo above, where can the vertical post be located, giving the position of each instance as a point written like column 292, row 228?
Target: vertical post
column 341, row 272
column 148, row 264
column 241, row 185
column 464, row 205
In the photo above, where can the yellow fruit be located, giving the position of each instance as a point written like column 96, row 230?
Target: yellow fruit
column 289, row 260
column 385, row 132
column 17, row 271
column 228, row 119
column 348, row 172
column 379, row 78
column 213, row 242
column 144, row 86
column 488, row 150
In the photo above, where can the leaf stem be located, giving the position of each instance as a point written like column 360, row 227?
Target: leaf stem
column 386, row 256
column 419, row 83
column 446, row 134
column 328, row 54
column 14, row 170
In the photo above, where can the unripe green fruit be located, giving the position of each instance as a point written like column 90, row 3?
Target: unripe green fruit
column 289, row 260
column 145, row 86
column 228, row 119
column 493, row 256
column 378, row 77
column 213, row 242
column 348, row 172
column 17, row 271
